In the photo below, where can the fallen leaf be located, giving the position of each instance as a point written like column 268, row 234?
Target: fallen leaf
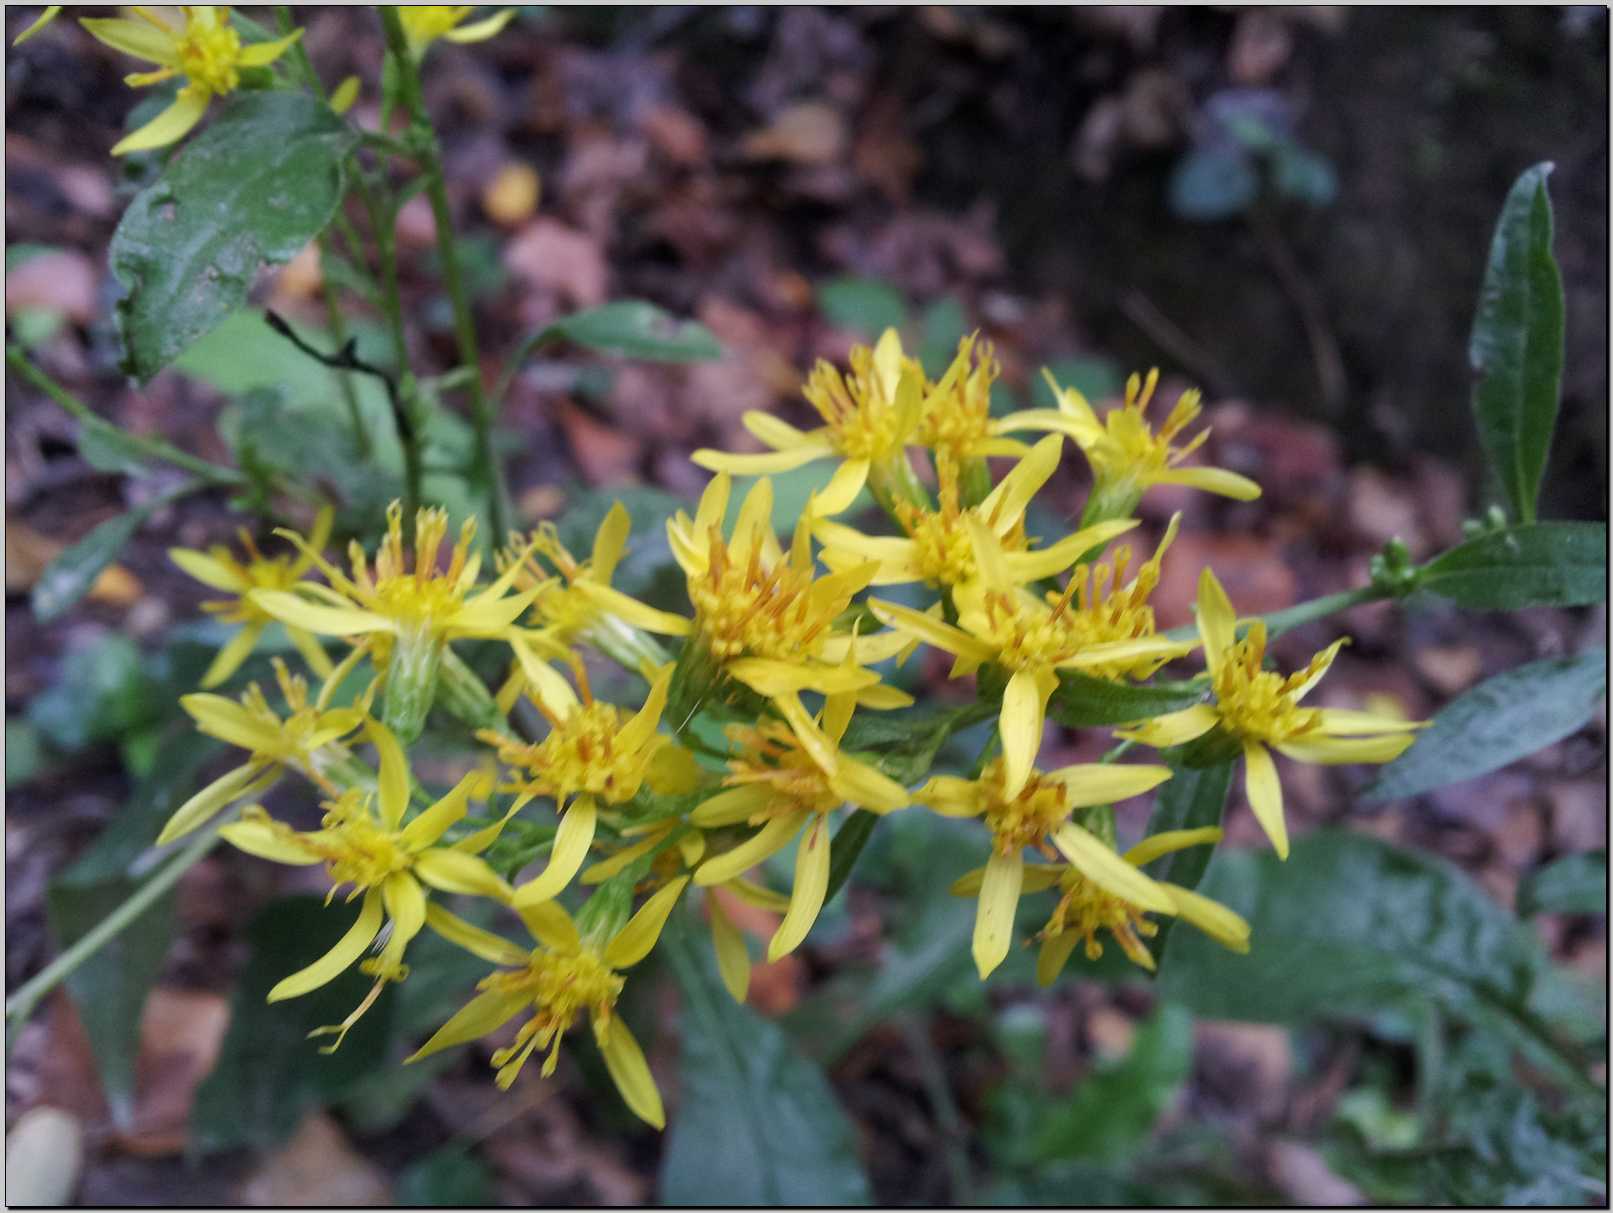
column 28, row 553
column 62, row 281
column 809, row 132
column 546, row 253
column 317, row 1167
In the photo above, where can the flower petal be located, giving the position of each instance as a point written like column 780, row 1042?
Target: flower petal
column 405, row 903
column 1097, row 861
column 261, row 54
column 571, row 843
column 1265, row 794
column 1342, row 722
column 836, row 496
column 1331, row 751
column 478, row 942
column 733, row 957
column 483, row 1014
column 610, row 541
column 1211, row 480
column 1054, row 955
column 335, row 962
column 1214, row 919
column 635, row 940
column 730, row 806
column 460, row 872
column 769, row 840
column 393, row 782
column 994, row 916
column 170, row 126
column 138, row 38
column 629, row 1071
column 321, row 620
column 551, row 926
column 209, row 571
column 1216, row 620
column 1021, row 724
column 260, row 838
column 931, row 630
column 806, row 896
column 1173, row 728
column 223, row 791
column 1093, row 783
column 764, row 464
column 480, row 31
column 1166, row 841
column 229, row 721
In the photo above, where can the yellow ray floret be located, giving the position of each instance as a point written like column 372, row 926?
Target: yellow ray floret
column 1126, row 453
column 955, row 420
column 1260, row 708
column 423, row 24
column 564, row 977
column 789, row 777
column 205, row 50
column 1037, row 814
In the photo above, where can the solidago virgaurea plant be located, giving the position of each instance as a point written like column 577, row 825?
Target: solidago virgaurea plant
column 506, row 746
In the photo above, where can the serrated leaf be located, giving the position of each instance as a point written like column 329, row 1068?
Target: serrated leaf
column 1349, row 925
column 269, row 1074
column 863, row 304
column 633, row 329
column 756, row 1123
column 1497, row 722
column 1517, row 343
column 1545, row 564
column 251, row 190
column 1574, row 884
column 1082, row 700
column 69, row 577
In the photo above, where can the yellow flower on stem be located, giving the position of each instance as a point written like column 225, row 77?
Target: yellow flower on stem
column 1095, row 625
column 565, row 976
column 1037, row 815
column 423, row 24
column 218, row 568
column 418, row 609
column 956, row 421
column 938, row 550
column 206, row 51
column 307, row 740
column 1259, row 708
column 390, row 864
column 1088, row 905
column 1127, row 456
column 594, row 753
column 869, row 417
column 762, row 616
column 788, row 777
column 577, row 601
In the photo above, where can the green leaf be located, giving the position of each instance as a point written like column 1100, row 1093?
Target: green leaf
column 101, row 692
column 1193, row 798
column 1546, row 564
column 27, row 754
column 756, row 1123
column 450, row 1176
column 1517, row 343
column 1350, row 925
column 1211, row 183
column 1083, row 700
column 846, row 847
column 1574, row 884
column 106, row 448
column 1497, row 722
column 1110, row 1113
column 864, row 304
column 631, row 328
column 269, row 1074
column 1303, row 174
column 259, row 183
column 904, row 743
column 70, row 575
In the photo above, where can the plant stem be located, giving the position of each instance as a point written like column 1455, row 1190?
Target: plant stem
column 21, row 1004
column 1278, row 622
column 423, row 139
column 153, row 448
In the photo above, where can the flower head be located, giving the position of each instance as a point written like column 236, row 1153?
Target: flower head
column 307, row 740
column 594, row 752
column 1095, row 624
column 1259, row 707
column 219, row 568
column 363, row 841
column 1088, row 906
column 869, row 417
column 566, row 976
column 205, row 50
column 1037, row 815
column 785, row 777
column 423, row 24
column 1126, row 453
column 956, row 421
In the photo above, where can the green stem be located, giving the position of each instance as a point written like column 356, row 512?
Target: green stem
column 21, row 1004
column 1278, row 622
column 153, row 448
column 423, row 138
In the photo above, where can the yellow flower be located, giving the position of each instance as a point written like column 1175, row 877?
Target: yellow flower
column 1259, row 707
column 219, row 568
column 307, row 741
column 1105, row 632
column 956, row 421
column 594, row 752
column 425, row 23
column 788, row 777
column 937, row 548
column 1087, row 906
column 869, row 417
column 207, row 52
column 388, row 862
column 577, row 601
column 40, row 22
column 762, row 616
column 1126, row 454
column 1037, row 814
column 416, row 610
column 565, row 976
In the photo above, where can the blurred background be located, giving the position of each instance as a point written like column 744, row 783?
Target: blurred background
column 1288, row 207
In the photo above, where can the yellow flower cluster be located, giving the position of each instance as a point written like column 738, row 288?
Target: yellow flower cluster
column 778, row 653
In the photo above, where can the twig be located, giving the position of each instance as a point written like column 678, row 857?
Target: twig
column 1135, row 306
column 1325, row 357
